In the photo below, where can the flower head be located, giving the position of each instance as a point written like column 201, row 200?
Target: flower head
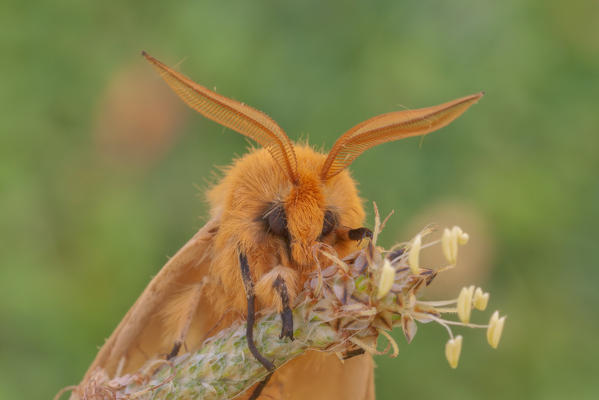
column 393, row 298
column 401, row 278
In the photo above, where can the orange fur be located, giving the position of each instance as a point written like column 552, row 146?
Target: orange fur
column 307, row 185
column 244, row 194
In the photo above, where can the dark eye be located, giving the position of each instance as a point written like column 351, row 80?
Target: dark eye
column 329, row 223
column 277, row 221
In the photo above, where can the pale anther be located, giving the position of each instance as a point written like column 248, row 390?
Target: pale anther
column 465, row 304
column 453, row 348
column 495, row 329
column 414, row 256
column 386, row 280
column 480, row 299
column 446, row 245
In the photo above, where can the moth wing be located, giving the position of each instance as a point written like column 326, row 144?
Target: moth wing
column 140, row 334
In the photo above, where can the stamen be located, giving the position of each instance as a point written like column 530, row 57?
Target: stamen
column 438, row 303
column 465, row 303
column 386, row 281
column 461, row 236
column 446, row 309
column 453, row 348
column 450, row 240
column 444, row 324
column 414, row 256
column 448, row 246
column 495, row 329
column 430, row 244
column 480, row 300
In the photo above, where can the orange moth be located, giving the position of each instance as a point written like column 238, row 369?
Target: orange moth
column 269, row 212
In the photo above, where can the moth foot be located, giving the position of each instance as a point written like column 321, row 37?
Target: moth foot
column 352, row 353
column 259, row 387
column 286, row 314
column 251, row 313
column 360, row 234
column 174, row 351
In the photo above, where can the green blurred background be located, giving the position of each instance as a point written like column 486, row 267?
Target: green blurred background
column 102, row 169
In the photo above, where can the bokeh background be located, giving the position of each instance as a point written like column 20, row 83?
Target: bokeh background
column 102, row 169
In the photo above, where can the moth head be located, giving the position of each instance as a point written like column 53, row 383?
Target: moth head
column 310, row 197
column 263, row 208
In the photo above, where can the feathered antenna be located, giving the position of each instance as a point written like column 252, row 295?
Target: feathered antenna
column 389, row 127
column 232, row 114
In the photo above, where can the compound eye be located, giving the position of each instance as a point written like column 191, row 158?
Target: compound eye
column 329, row 223
column 277, row 221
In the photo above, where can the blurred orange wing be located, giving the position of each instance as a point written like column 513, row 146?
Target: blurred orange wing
column 389, row 127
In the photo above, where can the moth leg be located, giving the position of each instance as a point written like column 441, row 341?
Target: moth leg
column 191, row 309
column 286, row 315
column 352, row 353
column 251, row 298
column 259, row 387
column 359, row 234
column 249, row 293
column 278, row 288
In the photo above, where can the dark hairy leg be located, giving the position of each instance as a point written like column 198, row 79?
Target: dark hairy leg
column 286, row 315
column 251, row 316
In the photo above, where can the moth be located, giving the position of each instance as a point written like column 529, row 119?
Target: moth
column 272, row 210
